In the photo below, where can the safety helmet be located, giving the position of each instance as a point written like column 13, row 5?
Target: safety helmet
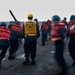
column 36, row 20
column 17, row 22
column 48, row 21
column 55, row 17
column 72, row 17
column 65, row 18
column 3, row 24
column 30, row 15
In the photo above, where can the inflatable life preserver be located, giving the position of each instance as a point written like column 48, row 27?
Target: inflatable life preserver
column 63, row 21
column 4, row 33
column 71, row 28
column 30, row 28
column 49, row 22
column 45, row 26
column 17, row 28
column 55, row 31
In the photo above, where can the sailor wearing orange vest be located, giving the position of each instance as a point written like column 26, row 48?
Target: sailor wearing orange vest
column 58, row 36
column 71, row 34
column 44, row 29
column 49, row 26
column 4, row 40
column 16, row 33
column 64, row 21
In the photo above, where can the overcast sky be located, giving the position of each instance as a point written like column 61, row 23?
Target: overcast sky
column 41, row 9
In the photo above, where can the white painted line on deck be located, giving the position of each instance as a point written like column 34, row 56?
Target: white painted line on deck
column 52, row 52
column 7, row 53
column 3, row 59
column 67, row 53
column 21, row 56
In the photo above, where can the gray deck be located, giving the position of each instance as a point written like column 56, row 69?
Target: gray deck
column 45, row 63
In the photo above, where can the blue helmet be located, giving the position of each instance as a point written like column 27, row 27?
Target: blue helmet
column 55, row 17
column 65, row 18
column 36, row 20
column 72, row 17
column 3, row 24
column 17, row 22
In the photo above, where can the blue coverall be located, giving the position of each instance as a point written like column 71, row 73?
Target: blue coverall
column 71, row 45
column 14, row 41
column 44, row 35
column 30, row 44
column 59, row 49
column 4, row 44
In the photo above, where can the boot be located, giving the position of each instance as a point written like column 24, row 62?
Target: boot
column 63, row 72
column 33, row 62
column 73, row 63
column 11, row 57
column 27, row 61
column 0, row 60
column 43, row 43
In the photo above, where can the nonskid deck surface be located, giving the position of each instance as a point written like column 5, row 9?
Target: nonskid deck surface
column 45, row 63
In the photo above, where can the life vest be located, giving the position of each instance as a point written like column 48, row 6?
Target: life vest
column 30, row 28
column 49, row 22
column 71, row 28
column 4, row 33
column 63, row 21
column 55, row 31
column 45, row 26
column 17, row 28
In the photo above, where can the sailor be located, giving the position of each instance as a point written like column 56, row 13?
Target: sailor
column 16, row 33
column 49, row 26
column 44, row 29
column 71, row 34
column 4, row 40
column 31, row 33
column 58, row 35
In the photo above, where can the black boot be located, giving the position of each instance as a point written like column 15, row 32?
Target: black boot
column 27, row 61
column 73, row 63
column 11, row 57
column 43, row 43
column 33, row 62
column 63, row 72
column 0, row 60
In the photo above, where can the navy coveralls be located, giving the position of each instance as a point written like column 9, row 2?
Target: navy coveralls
column 49, row 29
column 30, row 44
column 59, row 49
column 44, row 35
column 14, row 41
column 4, row 44
column 71, row 45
